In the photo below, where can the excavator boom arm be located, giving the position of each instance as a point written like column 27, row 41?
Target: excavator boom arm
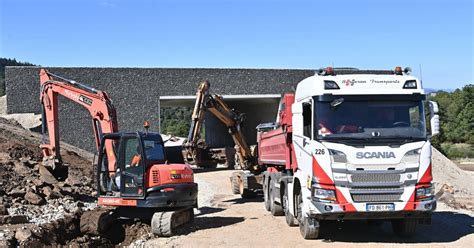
column 229, row 117
column 97, row 102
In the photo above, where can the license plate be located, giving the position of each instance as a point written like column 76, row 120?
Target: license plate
column 380, row 207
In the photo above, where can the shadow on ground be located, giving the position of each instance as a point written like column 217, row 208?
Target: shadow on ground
column 208, row 210
column 445, row 227
column 240, row 200
column 208, row 222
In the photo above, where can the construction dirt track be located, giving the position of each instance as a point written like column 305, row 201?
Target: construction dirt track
column 52, row 210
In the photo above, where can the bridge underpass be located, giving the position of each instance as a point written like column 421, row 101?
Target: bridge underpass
column 257, row 108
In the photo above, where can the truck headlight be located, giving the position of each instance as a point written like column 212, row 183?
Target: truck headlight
column 412, row 156
column 424, row 193
column 323, row 195
column 337, row 156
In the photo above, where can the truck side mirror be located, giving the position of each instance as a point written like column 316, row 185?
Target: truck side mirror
column 434, row 118
column 433, row 107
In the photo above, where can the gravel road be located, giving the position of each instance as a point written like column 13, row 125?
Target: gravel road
column 226, row 220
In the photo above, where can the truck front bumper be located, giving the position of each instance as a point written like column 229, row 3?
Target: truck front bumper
column 335, row 211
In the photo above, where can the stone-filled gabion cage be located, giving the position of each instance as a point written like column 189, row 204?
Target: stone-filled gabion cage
column 136, row 92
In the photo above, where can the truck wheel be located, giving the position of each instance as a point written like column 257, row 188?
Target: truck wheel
column 309, row 227
column 275, row 208
column 290, row 219
column 266, row 199
column 235, row 185
column 404, row 228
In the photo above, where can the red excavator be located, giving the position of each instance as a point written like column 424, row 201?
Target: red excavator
column 132, row 172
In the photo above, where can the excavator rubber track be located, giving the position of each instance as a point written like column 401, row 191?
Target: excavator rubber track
column 164, row 224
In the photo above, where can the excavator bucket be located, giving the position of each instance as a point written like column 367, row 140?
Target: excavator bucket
column 52, row 171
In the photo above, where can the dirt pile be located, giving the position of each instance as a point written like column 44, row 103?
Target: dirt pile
column 454, row 186
column 36, row 211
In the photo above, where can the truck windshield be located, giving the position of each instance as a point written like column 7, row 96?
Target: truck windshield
column 341, row 119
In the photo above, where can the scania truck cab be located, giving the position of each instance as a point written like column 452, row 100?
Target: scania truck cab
column 357, row 147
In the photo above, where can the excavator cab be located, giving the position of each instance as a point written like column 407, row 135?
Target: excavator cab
column 134, row 153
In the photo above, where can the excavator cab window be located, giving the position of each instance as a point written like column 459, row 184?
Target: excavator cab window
column 131, row 165
column 126, row 178
column 154, row 151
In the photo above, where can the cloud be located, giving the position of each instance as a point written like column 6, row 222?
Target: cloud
column 108, row 4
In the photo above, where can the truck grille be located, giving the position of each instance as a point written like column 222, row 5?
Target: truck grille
column 376, row 197
column 375, row 178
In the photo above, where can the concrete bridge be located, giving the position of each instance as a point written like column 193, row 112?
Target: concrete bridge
column 139, row 93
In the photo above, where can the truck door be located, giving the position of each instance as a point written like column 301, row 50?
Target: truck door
column 303, row 134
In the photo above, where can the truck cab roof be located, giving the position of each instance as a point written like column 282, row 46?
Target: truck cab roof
column 359, row 82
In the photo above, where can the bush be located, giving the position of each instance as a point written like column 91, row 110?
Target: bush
column 457, row 150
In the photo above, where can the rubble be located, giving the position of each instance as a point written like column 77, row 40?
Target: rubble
column 34, row 198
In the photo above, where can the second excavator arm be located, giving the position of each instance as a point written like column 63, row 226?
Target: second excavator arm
column 229, row 117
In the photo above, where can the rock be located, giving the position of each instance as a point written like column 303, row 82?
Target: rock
column 34, row 188
column 15, row 219
column 22, row 234
column 39, row 183
column 18, row 219
column 46, row 176
column 21, row 168
column 7, row 239
column 3, row 209
column 7, row 243
column 34, row 198
column 67, row 189
column 32, row 242
column 448, row 198
column 47, row 191
column 17, row 192
column 74, row 181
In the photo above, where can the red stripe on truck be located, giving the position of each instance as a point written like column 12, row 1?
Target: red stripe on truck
column 427, row 177
column 320, row 174
column 343, row 203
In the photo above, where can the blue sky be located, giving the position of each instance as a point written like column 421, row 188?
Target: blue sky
column 245, row 34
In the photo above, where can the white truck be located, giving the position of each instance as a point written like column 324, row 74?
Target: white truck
column 348, row 144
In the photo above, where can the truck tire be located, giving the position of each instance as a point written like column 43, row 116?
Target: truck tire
column 309, row 227
column 405, row 227
column 289, row 218
column 266, row 199
column 275, row 208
